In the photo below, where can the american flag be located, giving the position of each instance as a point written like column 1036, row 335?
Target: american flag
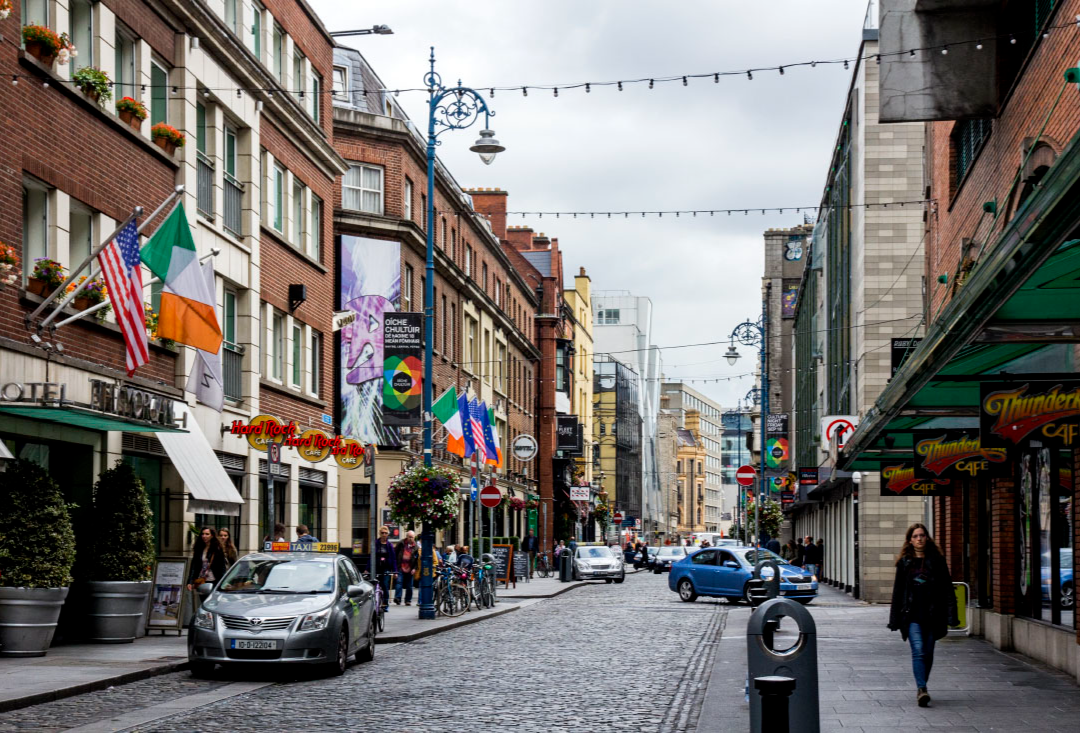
column 477, row 431
column 122, row 268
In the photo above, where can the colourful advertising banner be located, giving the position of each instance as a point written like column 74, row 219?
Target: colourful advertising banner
column 370, row 287
column 808, row 476
column 403, row 368
column 1043, row 410
column 957, row 454
column 899, row 480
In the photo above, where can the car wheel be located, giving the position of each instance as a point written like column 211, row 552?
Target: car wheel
column 202, row 670
column 608, row 580
column 367, row 652
column 621, row 578
column 574, row 575
column 341, row 656
column 656, row 571
column 1068, row 595
column 746, row 594
column 686, row 591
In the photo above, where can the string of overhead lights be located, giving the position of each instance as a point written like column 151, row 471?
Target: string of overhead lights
column 678, row 213
column 978, row 43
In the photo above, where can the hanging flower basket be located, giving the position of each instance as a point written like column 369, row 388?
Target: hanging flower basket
column 9, row 266
column 532, row 504
column 424, row 496
column 516, row 504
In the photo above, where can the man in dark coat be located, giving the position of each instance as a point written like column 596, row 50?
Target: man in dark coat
column 530, row 545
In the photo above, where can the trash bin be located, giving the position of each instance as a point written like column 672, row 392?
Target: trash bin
column 799, row 662
column 566, row 573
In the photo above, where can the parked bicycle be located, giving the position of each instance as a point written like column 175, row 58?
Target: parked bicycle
column 380, row 601
column 544, row 568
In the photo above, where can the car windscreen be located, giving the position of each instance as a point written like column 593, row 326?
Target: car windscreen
column 279, row 575
column 752, row 556
column 594, row 552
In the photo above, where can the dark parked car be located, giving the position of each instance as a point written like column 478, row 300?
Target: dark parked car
column 666, row 556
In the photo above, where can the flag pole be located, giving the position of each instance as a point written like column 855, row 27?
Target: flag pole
column 137, row 212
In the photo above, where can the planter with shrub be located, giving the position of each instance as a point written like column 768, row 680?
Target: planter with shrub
column 37, row 550
column 46, row 277
column 132, row 112
column 94, row 83
column 46, row 45
column 122, row 556
column 167, row 137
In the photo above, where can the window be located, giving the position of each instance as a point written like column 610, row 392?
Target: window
column 256, row 29
column 483, row 279
column 79, row 234
column 278, row 194
column 124, row 82
column 228, row 326
column 406, row 290
column 232, row 355
column 453, row 343
column 967, row 139
column 704, row 557
column 500, row 375
column 446, row 344
column 468, row 261
column 35, row 224
column 407, row 204
column 279, row 54
column 315, row 96
column 277, row 346
column 423, row 210
column 609, row 316
column 473, row 346
column 298, row 213
column 159, row 94
column 35, row 12
column 297, row 353
column 341, row 82
column 200, row 128
column 232, row 15
column 82, row 35
column 362, row 189
column 315, row 229
column 453, row 245
column 298, row 85
column 316, row 362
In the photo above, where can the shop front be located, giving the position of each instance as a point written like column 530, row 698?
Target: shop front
column 983, row 420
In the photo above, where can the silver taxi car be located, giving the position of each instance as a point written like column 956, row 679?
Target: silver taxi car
column 595, row 561
column 295, row 604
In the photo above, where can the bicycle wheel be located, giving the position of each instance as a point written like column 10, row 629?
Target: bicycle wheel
column 486, row 599
column 456, row 600
column 380, row 621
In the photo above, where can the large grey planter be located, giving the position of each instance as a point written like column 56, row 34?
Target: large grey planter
column 28, row 620
column 115, row 610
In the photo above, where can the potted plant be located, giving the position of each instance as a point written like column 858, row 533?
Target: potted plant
column 5, row 9
column 46, row 277
column 132, row 112
column 121, row 557
column 150, row 318
column 94, row 83
column 35, row 560
column 9, row 264
column 167, row 137
column 424, row 496
column 46, row 46
column 516, row 504
column 93, row 293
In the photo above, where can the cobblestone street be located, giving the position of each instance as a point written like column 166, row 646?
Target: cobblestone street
column 603, row 657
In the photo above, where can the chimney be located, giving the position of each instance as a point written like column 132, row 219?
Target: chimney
column 491, row 202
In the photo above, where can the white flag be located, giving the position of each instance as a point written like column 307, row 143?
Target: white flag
column 205, row 379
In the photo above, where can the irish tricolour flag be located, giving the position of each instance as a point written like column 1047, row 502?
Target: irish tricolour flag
column 446, row 411
column 187, row 314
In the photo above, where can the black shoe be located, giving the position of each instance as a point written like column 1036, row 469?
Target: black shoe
column 397, row 601
column 408, row 603
column 923, row 697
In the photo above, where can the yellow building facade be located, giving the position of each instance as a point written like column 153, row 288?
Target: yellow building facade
column 578, row 302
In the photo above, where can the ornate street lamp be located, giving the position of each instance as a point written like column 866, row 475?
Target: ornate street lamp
column 749, row 333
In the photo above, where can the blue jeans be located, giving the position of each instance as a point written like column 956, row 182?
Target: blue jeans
column 404, row 583
column 811, row 568
column 921, row 639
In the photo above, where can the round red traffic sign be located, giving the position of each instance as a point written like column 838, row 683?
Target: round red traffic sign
column 746, row 475
column 490, row 496
column 617, row 517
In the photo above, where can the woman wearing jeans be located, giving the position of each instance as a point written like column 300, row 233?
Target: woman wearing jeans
column 923, row 602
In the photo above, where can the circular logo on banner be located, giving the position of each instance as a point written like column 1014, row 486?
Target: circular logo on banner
column 314, row 445
column 525, row 447
column 267, row 429
column 402, row 380
column 350, row 455
column 776, row 452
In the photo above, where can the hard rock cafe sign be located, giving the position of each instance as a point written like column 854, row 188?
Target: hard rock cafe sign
column 1044, row 410
column 311, row 445
column 900, row 480
column 957, row 454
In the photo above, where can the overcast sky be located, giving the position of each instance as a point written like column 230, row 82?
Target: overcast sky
column 736, row 144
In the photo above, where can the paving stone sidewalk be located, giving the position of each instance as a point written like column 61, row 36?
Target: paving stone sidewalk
column 866, row 684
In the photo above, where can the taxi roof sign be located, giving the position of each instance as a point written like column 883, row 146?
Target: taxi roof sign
column 301, row 546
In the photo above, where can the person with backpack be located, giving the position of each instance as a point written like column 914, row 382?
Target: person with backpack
column 408, row 562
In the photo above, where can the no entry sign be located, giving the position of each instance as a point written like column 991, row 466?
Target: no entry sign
column 490, row 496
column 746, row 475
column 617, row 517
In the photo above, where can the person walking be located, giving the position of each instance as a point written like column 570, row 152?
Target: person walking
column 303, row 535
column 820, row 557
column 923, row 603
column 788, row 552
column 279, row 534
column 797, row 560
column 808, row 555
column 207, row 564
column 408, row 560
column 773, row 545
column 530, row 545
column 227, row 546
column 385, row 563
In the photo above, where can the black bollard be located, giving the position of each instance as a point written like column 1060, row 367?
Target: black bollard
column 774, row 693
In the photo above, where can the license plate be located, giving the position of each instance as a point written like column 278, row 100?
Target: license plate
column 804, row 586
column 253, row 644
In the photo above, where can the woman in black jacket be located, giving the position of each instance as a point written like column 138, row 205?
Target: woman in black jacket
column 923, row 602
column 207, row 562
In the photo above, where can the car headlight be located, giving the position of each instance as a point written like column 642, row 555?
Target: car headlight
column 204, row 619
column 582, row 565
column 316, row 621
column 813, row 578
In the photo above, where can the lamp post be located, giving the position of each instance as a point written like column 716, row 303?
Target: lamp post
column 749, row 333
column 449, row 108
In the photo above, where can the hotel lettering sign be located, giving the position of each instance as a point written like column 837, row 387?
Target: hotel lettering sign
column 38, row 392
column 131, row 403
column 900, row 480
column 1044, row 410
column 957, row 454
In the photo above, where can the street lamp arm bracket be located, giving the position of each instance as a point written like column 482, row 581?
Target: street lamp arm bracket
column 457, row 108
column 748, row 333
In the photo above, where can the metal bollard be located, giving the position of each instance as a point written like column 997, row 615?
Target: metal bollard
column 757, row 592
column 772, row 585
column 774, row 691
column 565, row 568
column 798, row 663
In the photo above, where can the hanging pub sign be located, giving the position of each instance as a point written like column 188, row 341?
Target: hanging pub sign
column 957, row 454
column 312, row 445
column 808, row 476
column 1046, row 410
column 403, row 368
column 901, row 350
column 776, row 423
column 899, row 480
column 566, row 433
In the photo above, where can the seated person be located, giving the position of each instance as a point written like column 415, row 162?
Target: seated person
column 464, row 559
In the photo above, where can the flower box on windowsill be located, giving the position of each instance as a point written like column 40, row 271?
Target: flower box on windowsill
column 40, row 287
column 37, row 50
column 130, row 119
column 167, row 145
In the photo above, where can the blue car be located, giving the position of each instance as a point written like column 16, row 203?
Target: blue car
column 1068, row 589
column 723, row 572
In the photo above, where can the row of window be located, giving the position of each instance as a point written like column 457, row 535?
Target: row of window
column 292, row 352
column 291, row 208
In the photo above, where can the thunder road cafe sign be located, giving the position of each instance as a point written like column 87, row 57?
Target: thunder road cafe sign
column 957, row 454
column 1043, row 410
column 900, row 480
column 312, row 445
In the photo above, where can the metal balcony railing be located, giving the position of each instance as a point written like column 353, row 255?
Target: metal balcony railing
column 232, row 370
column 234, row 199
column 204, row 190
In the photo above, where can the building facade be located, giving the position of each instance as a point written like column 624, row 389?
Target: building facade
column 680, row 398
column 690, row 474
column 617, row 433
